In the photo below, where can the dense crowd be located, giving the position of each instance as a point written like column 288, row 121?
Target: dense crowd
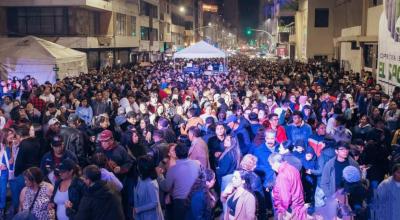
column 264, row 139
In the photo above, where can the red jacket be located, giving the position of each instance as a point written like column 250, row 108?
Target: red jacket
column 288, row 192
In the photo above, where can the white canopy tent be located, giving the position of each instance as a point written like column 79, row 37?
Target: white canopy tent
column 39, row 58
column 201, row 50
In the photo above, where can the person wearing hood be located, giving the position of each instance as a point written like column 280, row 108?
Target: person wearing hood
column 357, row 193
column 99, row 202
column 240, row 133
column 309, row 180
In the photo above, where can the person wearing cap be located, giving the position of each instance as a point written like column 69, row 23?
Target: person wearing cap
column 52, row 159
column 331, row 179
column 357, row 193
column 73, row 139
column 99, row 202
column 68, row 190
column 299, row 129
column 240, row 133
column 169, row 134
column 119, row 160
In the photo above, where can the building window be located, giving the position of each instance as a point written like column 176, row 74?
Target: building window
column 322, row 17
column 148, row 9
column 370, row 55
column 144, row 33
column 133, row 26
column 354, row 45
column 121, row 24
column 147, row 33
column 39, row 21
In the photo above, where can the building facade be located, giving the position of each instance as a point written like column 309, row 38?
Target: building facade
column 106, row 30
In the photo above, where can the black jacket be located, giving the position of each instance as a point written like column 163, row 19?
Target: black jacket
column 74, row 142
column 28, row 155
column 99, row 202
column 75, row 193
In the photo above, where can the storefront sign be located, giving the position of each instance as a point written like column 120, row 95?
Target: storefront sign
column 389, row 46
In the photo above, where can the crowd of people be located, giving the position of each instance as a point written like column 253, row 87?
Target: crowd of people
column 282, row 139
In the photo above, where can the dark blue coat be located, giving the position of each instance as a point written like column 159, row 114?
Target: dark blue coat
column 263, row 168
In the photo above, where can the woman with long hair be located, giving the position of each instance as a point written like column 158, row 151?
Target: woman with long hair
column 36, row 195
column 201, row 200
column 68, row 191
column 146, row 193
column 138, row 148
column 238, row 197
column 230, row 158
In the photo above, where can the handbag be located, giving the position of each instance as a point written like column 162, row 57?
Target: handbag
column 27, row 214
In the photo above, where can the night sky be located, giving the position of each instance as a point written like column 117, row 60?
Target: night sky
column 249, row 10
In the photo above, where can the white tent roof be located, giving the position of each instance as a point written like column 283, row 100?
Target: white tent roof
column 37, row 57
column 200, row 50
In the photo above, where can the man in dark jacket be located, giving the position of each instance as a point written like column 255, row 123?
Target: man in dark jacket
column 51, row 160
column 240, row 133
column 74, row 139
column 100, row 106
column 99, row 202
column 28, row 156
column 159, row 150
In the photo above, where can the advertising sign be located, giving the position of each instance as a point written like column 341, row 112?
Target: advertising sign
column 389, row 46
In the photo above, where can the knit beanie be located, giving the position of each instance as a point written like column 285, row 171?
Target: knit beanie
column 351, row 174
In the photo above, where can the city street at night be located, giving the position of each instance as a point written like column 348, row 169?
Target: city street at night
column 199, row 109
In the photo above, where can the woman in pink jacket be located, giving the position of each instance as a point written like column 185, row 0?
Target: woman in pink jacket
column 288, row 190
column 240, row 202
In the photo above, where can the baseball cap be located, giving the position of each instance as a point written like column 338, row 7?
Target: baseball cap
column 56, row 141
column 66, row 165
column 232, row 118
column 105, row 135
column 73, row 117
column 53, row 121
column 351, row 174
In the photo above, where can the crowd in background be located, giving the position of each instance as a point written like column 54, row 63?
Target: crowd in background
column 264, row 139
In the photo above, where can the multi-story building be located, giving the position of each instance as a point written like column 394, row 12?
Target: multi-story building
column 108, row 31
column 149, row 29
column 345, row 30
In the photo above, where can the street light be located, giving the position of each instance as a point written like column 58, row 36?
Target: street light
column 182, row 9
column 209, row 24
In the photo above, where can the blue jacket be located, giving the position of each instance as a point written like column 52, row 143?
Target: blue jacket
column 244, row 139
column 302, row 132
column 263, row 168
column 226, row 165
column 198, row 207
column 47, row 164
